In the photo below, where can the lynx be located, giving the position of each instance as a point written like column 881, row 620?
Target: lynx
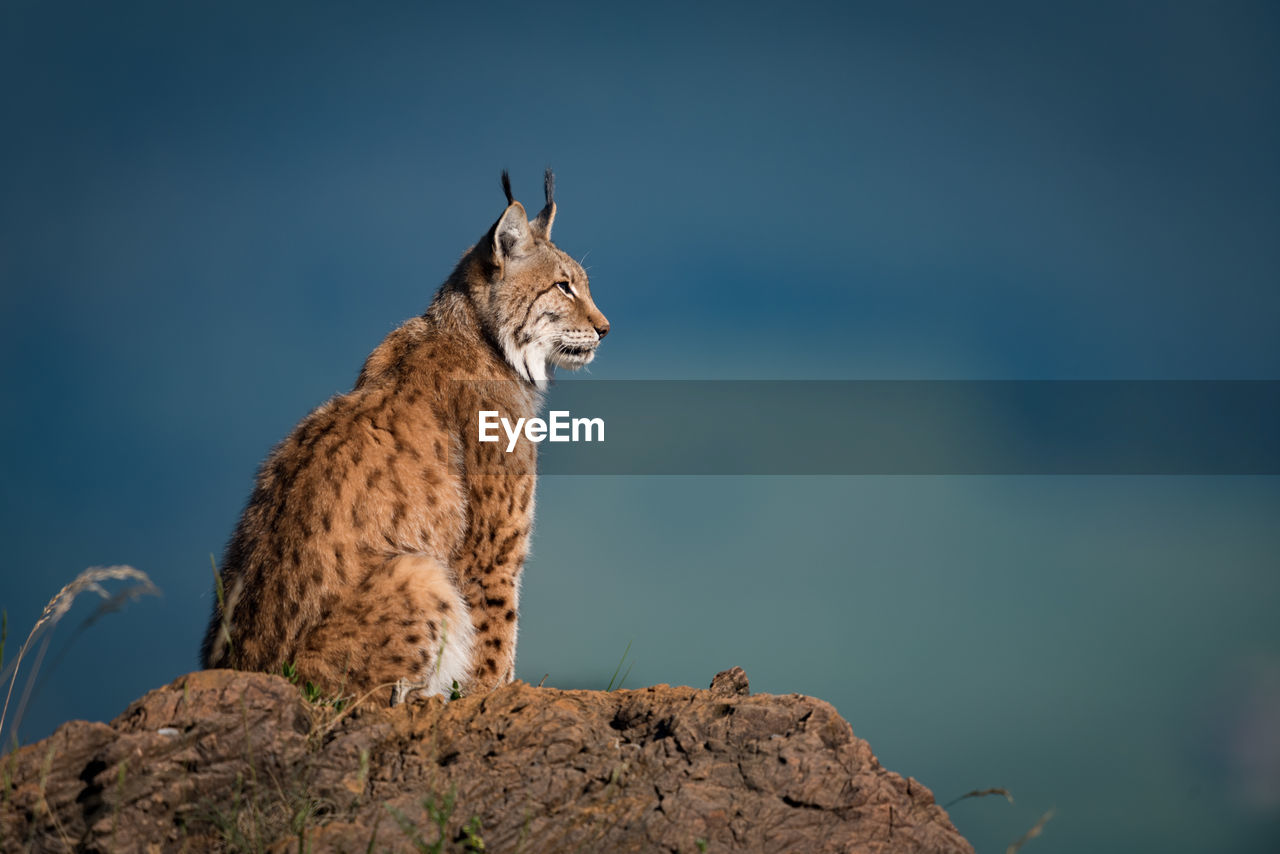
column 383, row 544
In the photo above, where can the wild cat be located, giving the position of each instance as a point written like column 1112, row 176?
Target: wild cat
column 383, row 542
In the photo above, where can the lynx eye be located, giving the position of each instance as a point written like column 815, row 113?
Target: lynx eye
column 565, row 289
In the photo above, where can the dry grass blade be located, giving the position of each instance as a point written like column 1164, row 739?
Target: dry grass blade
column 222, row 653
column 116, row 602
column 1030, row 834
column 88, row 581
column 980, row 793
column 109, row 606
column 352, row 706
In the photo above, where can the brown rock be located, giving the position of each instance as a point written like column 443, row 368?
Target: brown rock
column 731, row 683
column 240, row 761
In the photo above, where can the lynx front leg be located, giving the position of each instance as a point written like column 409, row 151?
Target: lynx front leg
column 492, row 577
column 494, row 612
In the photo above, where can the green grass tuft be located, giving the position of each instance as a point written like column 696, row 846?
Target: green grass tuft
column 439, row 812
column 618, row 669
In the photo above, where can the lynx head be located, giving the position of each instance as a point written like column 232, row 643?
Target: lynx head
column 535, row 300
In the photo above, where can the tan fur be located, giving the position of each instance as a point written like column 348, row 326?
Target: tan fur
column 383, row 542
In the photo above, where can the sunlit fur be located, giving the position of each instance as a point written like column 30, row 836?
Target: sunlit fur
column 513, row 281
column 383, row 544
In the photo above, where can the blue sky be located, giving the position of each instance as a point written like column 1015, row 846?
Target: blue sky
column 210, row 213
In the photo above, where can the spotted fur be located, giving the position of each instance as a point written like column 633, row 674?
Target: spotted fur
column 383, row 543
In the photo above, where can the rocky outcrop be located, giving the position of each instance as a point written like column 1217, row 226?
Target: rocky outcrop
column 241, row 761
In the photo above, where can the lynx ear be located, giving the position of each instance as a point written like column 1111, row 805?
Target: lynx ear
column 511, row 234
column 547, row 215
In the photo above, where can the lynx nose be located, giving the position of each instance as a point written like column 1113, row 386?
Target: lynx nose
column 603, row 329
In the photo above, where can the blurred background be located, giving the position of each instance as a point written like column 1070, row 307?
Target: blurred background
column 211, row 212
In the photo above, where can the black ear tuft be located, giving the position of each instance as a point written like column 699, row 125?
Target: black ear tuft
column 542, row 225
column 506, row 185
